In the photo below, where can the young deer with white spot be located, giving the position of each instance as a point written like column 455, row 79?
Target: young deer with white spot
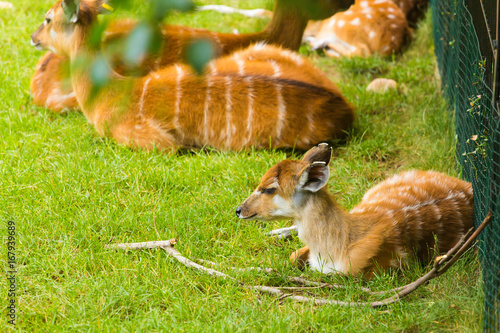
column 50, row 85
column 368, row 27
column 413, row 212
column 262, row 96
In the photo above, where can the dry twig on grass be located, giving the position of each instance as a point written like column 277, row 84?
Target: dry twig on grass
column 441, row 265
column 141, row 246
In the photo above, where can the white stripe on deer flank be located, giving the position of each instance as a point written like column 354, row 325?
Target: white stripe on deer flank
column 229, row 107
column 178, row 95
column 276, row 68
column 249, row 82
column 281, row 111
column 144, row 89
column 240, row 63
column 206, row 123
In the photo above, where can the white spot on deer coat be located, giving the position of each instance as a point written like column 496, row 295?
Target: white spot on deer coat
column 356, row 21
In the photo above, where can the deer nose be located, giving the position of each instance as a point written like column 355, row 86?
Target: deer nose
column 238, row 211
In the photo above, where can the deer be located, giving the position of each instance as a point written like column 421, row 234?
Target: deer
column 369, row 27
column 262, row 96
column 408, row 215
column 413, row 10
column 50, row 85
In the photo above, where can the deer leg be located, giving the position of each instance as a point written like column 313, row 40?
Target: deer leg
column 300, row 257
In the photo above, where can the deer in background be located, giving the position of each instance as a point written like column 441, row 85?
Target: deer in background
column 50, row 84
column 413, row 9
column 413, row 212
column 368, row 27
column 262, row 96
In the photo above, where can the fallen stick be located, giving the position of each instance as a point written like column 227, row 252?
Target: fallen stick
column 141, row 246
column 245, row 269
column 283, row 233
column 441, row 265
column 189, row 263
column 303, row 281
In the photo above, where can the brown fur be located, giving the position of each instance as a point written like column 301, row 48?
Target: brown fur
column 397, row 218
column 368, row 27
column 285, row 29
column 413, row 9
column 261, row 96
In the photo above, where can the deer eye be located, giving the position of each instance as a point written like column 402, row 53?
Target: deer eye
column 47, row 20
column 270, row 190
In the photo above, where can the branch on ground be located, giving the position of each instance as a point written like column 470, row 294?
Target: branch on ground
column 441, row 265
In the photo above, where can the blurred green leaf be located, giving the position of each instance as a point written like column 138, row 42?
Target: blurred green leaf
column 119, row 3
column 138, row 43
column 199, row 54
column 100, row 71
column 162, row 7
column 97, row 31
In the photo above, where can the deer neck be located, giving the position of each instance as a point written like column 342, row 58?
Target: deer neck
column 81, row 58
column 287, row 25
column 323, row 225
column 98, row 105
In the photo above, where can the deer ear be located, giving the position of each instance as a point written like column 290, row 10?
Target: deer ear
column 320, row 153
column 71, row 10
column 314, row 176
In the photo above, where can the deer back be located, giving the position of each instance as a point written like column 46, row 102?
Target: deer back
column 243, row 100
column 285, row 29
column 415, row 212
column 368, row 27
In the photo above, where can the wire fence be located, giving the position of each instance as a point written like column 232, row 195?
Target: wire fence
column 466, row 74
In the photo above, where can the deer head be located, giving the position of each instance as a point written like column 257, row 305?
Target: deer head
column 66, row 24
column 287, row 185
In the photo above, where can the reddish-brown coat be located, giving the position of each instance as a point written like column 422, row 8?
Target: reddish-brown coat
column 262, row 96
column 401, row 216
column 368, row 27
column 48, row 86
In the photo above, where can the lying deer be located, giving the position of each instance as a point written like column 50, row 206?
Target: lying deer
column 368, row 27
column 262, row 96
column 413, row 9
column 50, row 86
column 412, row 212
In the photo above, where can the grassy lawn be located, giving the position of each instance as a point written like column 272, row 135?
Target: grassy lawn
column 70, row 192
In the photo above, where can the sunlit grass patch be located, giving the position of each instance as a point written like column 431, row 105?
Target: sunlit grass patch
column 71, row 192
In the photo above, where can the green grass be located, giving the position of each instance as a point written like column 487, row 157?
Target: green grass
column 70, row 192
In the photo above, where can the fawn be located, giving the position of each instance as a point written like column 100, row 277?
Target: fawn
column 368, row 27
column 261, row 96
column 50, row 85
column 410, row 213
